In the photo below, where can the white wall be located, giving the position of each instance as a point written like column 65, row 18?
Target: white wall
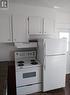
column 33, row 10
column 6, row 51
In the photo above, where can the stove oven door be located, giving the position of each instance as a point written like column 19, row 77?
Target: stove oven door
column 28, row 76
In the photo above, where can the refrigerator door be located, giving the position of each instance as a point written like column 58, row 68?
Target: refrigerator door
column 54, row 70
column 55, row 46
column 68, row 63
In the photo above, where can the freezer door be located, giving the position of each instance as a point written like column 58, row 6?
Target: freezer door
column 54, row 70
column 55, row 46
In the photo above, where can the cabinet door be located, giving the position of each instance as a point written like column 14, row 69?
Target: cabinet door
column 35, row 25
column 48, row 26
column 5, row 28
column 20, row 28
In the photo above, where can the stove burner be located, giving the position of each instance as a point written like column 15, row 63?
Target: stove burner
column 34, row 63
column 20, row 63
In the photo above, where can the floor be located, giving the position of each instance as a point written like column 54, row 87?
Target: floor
column 3, row 77
column 63, row 91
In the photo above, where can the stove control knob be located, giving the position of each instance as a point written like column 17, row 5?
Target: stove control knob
column 17, row 54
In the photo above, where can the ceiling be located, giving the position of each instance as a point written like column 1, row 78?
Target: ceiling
column 47, row 3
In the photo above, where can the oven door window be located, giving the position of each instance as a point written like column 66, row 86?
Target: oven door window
column 29, row 75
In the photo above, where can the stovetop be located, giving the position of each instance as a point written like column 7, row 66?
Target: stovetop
column 27, row 63
column 22, row 63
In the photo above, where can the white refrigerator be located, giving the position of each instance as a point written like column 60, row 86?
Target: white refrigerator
column 52, row 54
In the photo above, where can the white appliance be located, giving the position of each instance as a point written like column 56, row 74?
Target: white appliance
column 26, row 45
column 28, row 72
column 52, row 54
column 68, row 59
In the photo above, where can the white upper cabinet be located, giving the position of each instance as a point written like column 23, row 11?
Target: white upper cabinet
column 20, row 28
column 35, row 25
column 48, row 26
column 5, row 28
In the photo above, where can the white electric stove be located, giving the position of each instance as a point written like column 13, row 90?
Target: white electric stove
column 28, row 72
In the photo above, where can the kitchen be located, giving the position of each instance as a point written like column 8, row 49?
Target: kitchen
column 20, row 16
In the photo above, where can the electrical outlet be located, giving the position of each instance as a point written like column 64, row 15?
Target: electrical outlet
column 3, row 3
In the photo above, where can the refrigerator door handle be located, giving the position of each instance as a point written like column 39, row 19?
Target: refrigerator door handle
column 44, row 65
